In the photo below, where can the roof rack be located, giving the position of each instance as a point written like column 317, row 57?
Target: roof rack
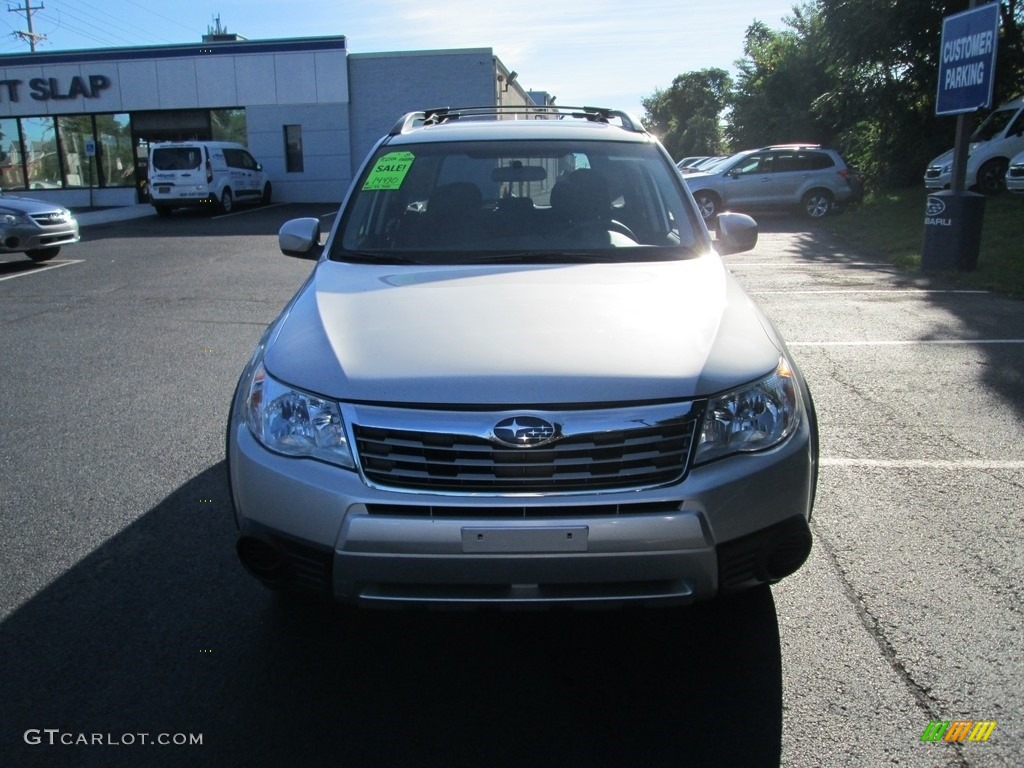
column 439, row 115
column 797, row 145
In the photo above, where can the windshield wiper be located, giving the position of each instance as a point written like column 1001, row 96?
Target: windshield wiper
column 543, row 257
column 374, row 257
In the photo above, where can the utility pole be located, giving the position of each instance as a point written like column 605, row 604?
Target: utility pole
column 31, row 36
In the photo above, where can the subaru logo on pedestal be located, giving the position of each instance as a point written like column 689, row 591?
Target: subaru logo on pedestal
column 935, row 206
column 524, row 432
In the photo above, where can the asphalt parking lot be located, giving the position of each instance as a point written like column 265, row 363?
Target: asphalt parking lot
column 124, row 612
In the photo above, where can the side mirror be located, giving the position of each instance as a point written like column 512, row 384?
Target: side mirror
column 301, row 238
column 737, row 233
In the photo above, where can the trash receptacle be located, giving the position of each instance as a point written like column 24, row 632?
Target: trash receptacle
column 952, row 231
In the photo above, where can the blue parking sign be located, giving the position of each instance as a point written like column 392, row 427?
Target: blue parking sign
column 967, row 60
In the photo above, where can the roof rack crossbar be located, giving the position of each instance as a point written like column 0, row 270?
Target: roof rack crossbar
column 439, row 115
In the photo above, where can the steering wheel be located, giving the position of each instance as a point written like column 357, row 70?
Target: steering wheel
column 608, row 225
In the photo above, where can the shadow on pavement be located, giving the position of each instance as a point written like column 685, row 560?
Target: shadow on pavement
column 160, row 631
column 972, row 315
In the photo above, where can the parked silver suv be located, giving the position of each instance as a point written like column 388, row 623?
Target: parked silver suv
column 35, row 227
column 806, row 177
column 520, row 373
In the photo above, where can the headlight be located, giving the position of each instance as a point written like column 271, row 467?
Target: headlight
column 751, row 418
column 295, row 423
column 8, row 219
column 947, row 168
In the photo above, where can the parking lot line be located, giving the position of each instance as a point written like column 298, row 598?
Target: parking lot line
column 808, row 265
column 904, row 343
column 866, row 290
column 52, row 265
column 922, row 463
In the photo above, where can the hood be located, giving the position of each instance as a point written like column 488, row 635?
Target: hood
column 947, row 157
column 27, row 205
column 520, row 335
column 699, row 175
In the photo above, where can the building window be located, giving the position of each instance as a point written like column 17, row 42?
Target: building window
column 12, row 172
column 114, row 151
column 75, row 133
column 293, row 148
column 41, row 162
column 229, row 125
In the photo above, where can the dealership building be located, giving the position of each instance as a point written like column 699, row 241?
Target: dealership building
column 75, row 126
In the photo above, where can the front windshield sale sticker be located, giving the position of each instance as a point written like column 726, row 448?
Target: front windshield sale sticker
column 389, row 171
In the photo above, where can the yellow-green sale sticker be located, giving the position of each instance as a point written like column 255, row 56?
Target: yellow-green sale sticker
column 389, row 171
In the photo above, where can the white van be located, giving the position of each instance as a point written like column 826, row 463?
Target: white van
column 999, row 138
column 204, row 173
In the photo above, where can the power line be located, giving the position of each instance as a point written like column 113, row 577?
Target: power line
column 88, row 20
column 94, row 24
column 31, row 35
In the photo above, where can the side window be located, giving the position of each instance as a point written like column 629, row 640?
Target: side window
column 788, row 161
column 233, row 158
column 248, row 161
column 817, row 161
column 754, row 164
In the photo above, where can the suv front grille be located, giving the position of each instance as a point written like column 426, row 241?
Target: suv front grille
column 49, row 218
column 588, row 511
column 641, row 453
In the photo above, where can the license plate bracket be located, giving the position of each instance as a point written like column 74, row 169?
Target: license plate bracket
column 524, row 540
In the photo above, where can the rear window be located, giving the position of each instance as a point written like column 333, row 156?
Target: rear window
column 461, row 201
column 177, row 158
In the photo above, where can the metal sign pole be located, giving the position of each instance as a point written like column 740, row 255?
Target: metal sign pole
column 962, row 143
column 967, row 59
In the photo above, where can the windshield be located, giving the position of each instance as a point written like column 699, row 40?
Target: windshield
column 993, row 125
column 459, row 202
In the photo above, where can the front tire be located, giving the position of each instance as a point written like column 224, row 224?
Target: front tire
column 817, row 203
column 708, row 204
column 268, row 194
column 227, row 202
column 992, row 177
column 43, row 254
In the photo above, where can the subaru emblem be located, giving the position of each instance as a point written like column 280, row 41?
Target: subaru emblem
column 935, row 206
column 524, row 431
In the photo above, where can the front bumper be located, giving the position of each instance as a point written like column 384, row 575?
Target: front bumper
column 728, row 525
column 1015, row 179
column 29, row 237
column 937, row 179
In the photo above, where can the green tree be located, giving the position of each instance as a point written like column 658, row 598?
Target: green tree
column 885, row 75
column 687, row 115
column 781, row 77
column 859, row 75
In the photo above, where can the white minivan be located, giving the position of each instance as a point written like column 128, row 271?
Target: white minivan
column 999, row 138
column 204, row 173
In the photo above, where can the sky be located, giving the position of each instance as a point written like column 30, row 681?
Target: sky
column 584, row 52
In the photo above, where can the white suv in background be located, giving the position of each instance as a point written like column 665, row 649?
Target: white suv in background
column 1015, row 174
column 998, row 139
column 204, row 173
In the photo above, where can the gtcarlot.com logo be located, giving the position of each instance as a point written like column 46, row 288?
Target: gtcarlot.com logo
column 958, row 730
column 56, row 737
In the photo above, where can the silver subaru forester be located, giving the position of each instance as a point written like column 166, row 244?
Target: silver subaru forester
column 520, row 374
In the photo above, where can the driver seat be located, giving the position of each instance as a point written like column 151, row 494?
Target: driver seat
column 583, row 206
column 582, row 196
